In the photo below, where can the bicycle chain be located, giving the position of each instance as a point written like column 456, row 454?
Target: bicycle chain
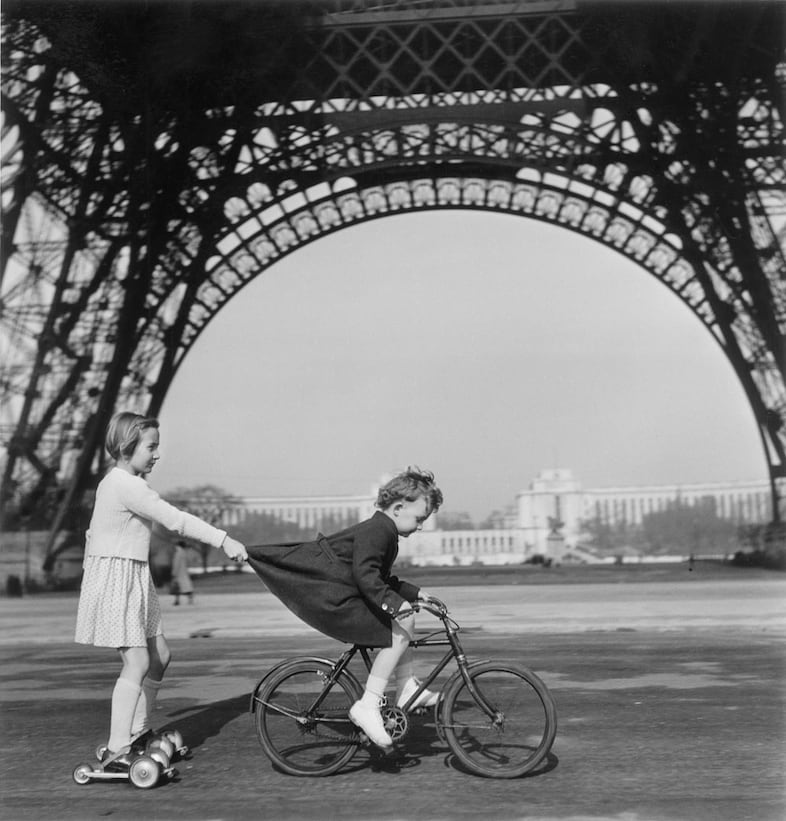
column 394, row 718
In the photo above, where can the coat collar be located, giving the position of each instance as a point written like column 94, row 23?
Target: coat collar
column 379, row 516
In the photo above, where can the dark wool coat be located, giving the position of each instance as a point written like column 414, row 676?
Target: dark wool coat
column 341, row 584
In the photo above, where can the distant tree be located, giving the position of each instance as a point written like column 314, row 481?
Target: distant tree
column 681, row 527
column 333, row 523
column 692, row 528
column 762, row 545
column 210, row 503
column 266, row 528
column 751, row 536
column 447, row 520
column 496, row 520
column 610, row 539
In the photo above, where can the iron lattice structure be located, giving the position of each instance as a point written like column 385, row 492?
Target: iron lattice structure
column 159, row 156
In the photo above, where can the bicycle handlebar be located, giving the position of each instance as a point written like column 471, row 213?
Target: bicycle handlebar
column 432, row 605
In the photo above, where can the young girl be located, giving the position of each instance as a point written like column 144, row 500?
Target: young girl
column 342, row 585
column 118, row 604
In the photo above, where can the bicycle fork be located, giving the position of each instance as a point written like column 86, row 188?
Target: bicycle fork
column 456, row 652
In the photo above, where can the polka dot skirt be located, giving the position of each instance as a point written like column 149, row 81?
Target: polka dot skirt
column 118, row 603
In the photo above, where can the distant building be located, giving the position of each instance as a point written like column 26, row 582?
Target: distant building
column 556, row 495
column 546, row 519
column 305, row 511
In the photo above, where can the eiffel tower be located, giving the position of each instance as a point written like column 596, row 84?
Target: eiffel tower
column 159, row 156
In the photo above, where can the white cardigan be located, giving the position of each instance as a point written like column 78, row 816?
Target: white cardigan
column 126, row 508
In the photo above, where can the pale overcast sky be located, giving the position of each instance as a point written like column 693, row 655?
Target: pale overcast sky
column 484, row 347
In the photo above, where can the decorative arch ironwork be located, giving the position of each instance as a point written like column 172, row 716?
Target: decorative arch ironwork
column 134, row 211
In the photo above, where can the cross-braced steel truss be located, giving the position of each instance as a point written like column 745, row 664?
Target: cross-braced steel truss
column 158, row 157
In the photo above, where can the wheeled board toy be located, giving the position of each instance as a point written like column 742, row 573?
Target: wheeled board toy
column 169, row 741
column 141, row 770
column 153, row 739
column 145, row 765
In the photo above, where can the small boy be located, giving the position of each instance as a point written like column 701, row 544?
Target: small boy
column 342, row 585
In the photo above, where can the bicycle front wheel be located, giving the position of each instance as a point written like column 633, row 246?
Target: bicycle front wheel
column 519, row 734
column 302, row 725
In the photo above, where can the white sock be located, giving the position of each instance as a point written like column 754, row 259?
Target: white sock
column 403, row 676
column 375, row 690
column 144, row 707
column 124, row 700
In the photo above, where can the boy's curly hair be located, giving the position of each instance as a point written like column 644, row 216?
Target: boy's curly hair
column 410, row 485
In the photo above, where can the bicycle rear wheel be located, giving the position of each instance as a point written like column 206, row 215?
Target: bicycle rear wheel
column 520, row 734
column 298, row 737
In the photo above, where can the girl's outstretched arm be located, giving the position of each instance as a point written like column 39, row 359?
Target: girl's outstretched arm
column 142, row 500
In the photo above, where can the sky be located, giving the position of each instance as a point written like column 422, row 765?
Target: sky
column 484, row 347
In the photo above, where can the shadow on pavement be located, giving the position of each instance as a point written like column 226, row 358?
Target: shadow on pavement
column 423, row 743
column 206, row 721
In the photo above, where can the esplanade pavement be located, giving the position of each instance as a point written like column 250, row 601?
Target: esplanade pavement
column 670, row 700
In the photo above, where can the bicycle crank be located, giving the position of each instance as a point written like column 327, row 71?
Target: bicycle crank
column 395, row 721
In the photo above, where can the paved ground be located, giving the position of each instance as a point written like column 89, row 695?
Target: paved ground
column 670, row 697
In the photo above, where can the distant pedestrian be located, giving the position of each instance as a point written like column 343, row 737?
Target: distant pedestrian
column 181, row 584
column 343, row 586
column 118, row 603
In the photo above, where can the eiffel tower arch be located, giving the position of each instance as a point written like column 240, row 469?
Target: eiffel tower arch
column 159, row 157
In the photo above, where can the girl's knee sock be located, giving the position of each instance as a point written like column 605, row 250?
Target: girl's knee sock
column 124, row 700
column 145, row 706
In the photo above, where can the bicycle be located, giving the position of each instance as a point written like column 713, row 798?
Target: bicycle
column 498, row 718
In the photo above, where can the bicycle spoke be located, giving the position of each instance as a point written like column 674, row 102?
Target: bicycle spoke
column 506, row 748
column 501, row 725
column 302, row 741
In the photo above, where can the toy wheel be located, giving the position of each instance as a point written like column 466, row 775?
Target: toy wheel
column 163, row 744
column 100, row 750
column 144, row 772
column 161, row 757
column 176, row 738
column 83, row 774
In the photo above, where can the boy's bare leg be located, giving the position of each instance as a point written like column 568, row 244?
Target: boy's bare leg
column 365, row 712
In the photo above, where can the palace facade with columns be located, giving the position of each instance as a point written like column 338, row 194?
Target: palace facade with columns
column 545, row 520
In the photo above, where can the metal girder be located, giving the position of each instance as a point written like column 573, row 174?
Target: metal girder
column 162, row 155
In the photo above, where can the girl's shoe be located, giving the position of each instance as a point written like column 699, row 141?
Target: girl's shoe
column 141, row 741
column 117, row 762
column 425, row 699
column 368, row 718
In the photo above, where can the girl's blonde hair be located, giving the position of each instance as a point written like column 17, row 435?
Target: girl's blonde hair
column 410, row 485
column 124, row 432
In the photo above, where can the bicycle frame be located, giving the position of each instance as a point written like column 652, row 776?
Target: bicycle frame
column 434, row 639
column 317, row 695
column 446, row 637
column 456, row 652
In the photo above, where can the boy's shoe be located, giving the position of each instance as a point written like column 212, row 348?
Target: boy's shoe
column 119, row 761
column 369, row 719
column 425, row 699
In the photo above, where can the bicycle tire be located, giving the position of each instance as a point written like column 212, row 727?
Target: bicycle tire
column 522, row 735
column 300, row 741
column 277, row 669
